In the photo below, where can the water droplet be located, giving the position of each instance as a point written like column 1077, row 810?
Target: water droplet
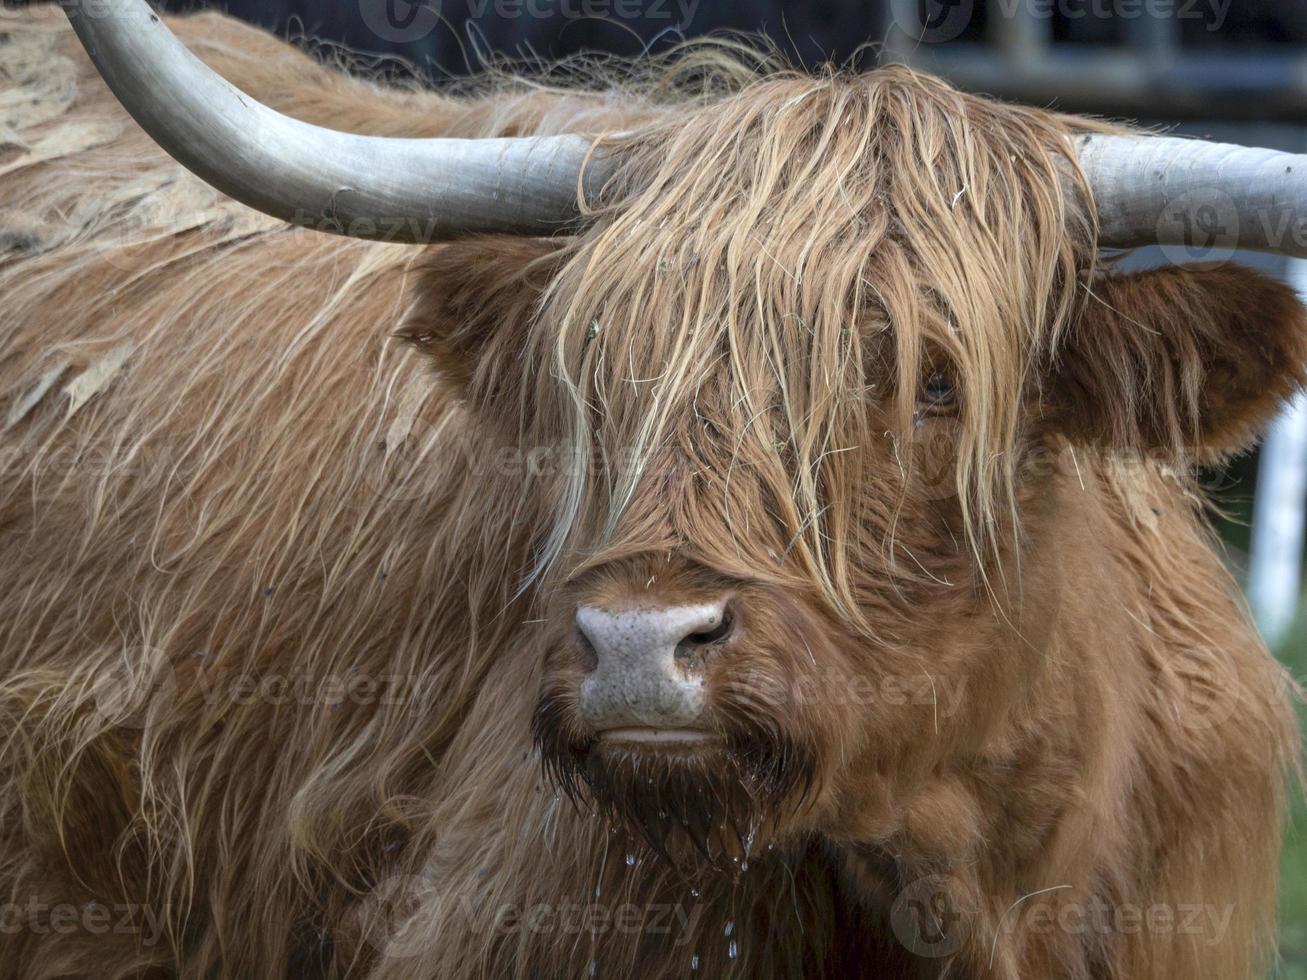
column 694, row 892
column 744, row 865
column 594, row 968
column 730, row 928
column 630, row 860
column 596, row 891
column 732, row 951
column 694, row 962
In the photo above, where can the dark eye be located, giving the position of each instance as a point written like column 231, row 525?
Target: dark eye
column 937, row 393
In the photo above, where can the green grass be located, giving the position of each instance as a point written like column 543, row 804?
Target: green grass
column 1293, row 865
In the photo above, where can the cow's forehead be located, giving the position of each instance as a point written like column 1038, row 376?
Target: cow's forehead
column 764, row 261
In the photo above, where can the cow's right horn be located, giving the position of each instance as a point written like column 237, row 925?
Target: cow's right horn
column 405, row 190
column 1209, row 197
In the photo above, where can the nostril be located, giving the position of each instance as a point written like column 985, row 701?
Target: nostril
column 709, row 633
column 647, row 641
column 589, row 655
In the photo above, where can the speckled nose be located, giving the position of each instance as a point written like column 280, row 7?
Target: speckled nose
column 647, row 664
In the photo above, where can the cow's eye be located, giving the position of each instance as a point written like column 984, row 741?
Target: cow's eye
column 938, row 394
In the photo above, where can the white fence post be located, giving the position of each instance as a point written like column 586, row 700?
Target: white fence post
column 1275, row 562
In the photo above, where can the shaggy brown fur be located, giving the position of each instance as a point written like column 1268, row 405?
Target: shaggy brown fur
column 285, row 599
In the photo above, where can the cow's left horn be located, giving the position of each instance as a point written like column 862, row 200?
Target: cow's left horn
column 1147, row 189
column 407, row 190
column 1211, row 197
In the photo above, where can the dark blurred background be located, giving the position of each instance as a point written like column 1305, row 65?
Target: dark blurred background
column 1172, row 58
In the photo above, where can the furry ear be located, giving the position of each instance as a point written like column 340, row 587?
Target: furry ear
column 1188, row 361
column 473, row 305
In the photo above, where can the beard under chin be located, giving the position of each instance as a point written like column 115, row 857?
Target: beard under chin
column 708, row 806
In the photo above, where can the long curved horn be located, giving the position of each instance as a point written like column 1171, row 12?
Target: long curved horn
column 1147, row 189
column 1210, row 197
column 401, row 190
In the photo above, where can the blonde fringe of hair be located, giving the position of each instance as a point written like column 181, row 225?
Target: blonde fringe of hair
column 802, row 237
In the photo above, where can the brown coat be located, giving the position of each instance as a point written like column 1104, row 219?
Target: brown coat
column 285, row 615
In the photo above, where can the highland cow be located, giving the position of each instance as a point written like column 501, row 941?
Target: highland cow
column 792, row 567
